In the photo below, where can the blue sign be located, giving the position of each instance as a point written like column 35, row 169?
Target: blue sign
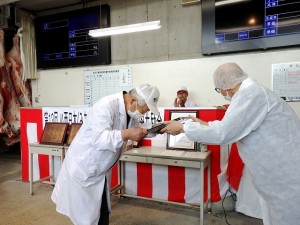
column 243, row 35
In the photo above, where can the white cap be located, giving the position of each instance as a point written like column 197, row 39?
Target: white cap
column 182, row 88
column 150, row 94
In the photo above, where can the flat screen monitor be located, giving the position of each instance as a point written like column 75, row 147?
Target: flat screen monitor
column 243, row 25
column 62, row 39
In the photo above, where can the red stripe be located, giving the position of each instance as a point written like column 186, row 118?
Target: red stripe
column 144, row 180
column 167, row 115
column 43, row 161
column 114, row 176
column 235, row 167
column 176, row 181
column 29, row 116
column 145, row 142
column 211, row 114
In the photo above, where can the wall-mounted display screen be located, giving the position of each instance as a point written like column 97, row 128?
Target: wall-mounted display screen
column 231, row 25
column 62, row 39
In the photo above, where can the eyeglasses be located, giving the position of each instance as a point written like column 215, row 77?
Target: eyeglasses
column 218, row 90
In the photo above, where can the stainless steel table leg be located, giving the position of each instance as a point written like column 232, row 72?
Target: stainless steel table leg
column 30, row 172
column 201, row 193
column 51, row 158
column 209, row 186
column 122, row 173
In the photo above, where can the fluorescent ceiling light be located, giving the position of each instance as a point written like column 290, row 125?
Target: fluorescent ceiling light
column 225, row 2
column 125, row 29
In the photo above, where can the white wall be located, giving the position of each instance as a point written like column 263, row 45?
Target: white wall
column 65, row 87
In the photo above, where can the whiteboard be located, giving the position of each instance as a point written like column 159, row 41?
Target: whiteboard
column 102, row 82
column 286, row 80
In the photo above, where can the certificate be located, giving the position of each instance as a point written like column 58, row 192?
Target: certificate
column 180, row 141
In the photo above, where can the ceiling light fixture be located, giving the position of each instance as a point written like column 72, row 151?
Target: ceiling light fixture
column 225, row 2
column 153, row 25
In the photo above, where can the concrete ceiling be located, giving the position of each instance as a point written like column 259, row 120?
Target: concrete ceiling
column 46, row 5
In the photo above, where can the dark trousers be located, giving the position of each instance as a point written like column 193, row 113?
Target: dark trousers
column 104, row 217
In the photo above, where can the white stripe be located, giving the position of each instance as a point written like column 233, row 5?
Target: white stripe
column 56, row 166
column 160, row 182
column 248, row 200
column 192, row 186
column 130, row 178
column 31, row 130
column 222, row 177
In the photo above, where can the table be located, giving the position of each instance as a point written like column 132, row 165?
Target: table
column 162, row 156
column 51, row 150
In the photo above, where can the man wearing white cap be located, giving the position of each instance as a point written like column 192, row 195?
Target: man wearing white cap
column 82, row 188
column 181, row 100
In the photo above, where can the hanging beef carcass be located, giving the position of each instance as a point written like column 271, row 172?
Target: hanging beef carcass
column 9, row 105
column 16, row 72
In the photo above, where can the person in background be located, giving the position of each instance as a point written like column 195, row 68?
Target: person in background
column 267, row 132
column 181, row 100
column 82, row 189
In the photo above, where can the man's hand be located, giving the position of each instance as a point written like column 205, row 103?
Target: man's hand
column 179, row 102
column 176, row 103
column 173, row 127
column 195, row 119
column 134, row 134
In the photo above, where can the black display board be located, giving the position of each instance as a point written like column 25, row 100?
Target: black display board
column 62, row 39
column 231, row 26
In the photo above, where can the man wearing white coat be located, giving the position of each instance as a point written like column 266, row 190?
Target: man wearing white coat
column 82, row 189
column 267, row 132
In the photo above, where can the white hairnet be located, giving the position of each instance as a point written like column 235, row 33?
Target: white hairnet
column 228, row 75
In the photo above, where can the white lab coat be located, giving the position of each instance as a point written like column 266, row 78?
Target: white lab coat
column 267, row 132
column 94, row 151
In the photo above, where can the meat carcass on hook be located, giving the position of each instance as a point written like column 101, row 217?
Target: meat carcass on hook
column 9, row 107
column 19, row 86
column 15, row 67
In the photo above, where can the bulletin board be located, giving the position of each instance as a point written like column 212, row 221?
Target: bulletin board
column 286, row 81
column 102, row 82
